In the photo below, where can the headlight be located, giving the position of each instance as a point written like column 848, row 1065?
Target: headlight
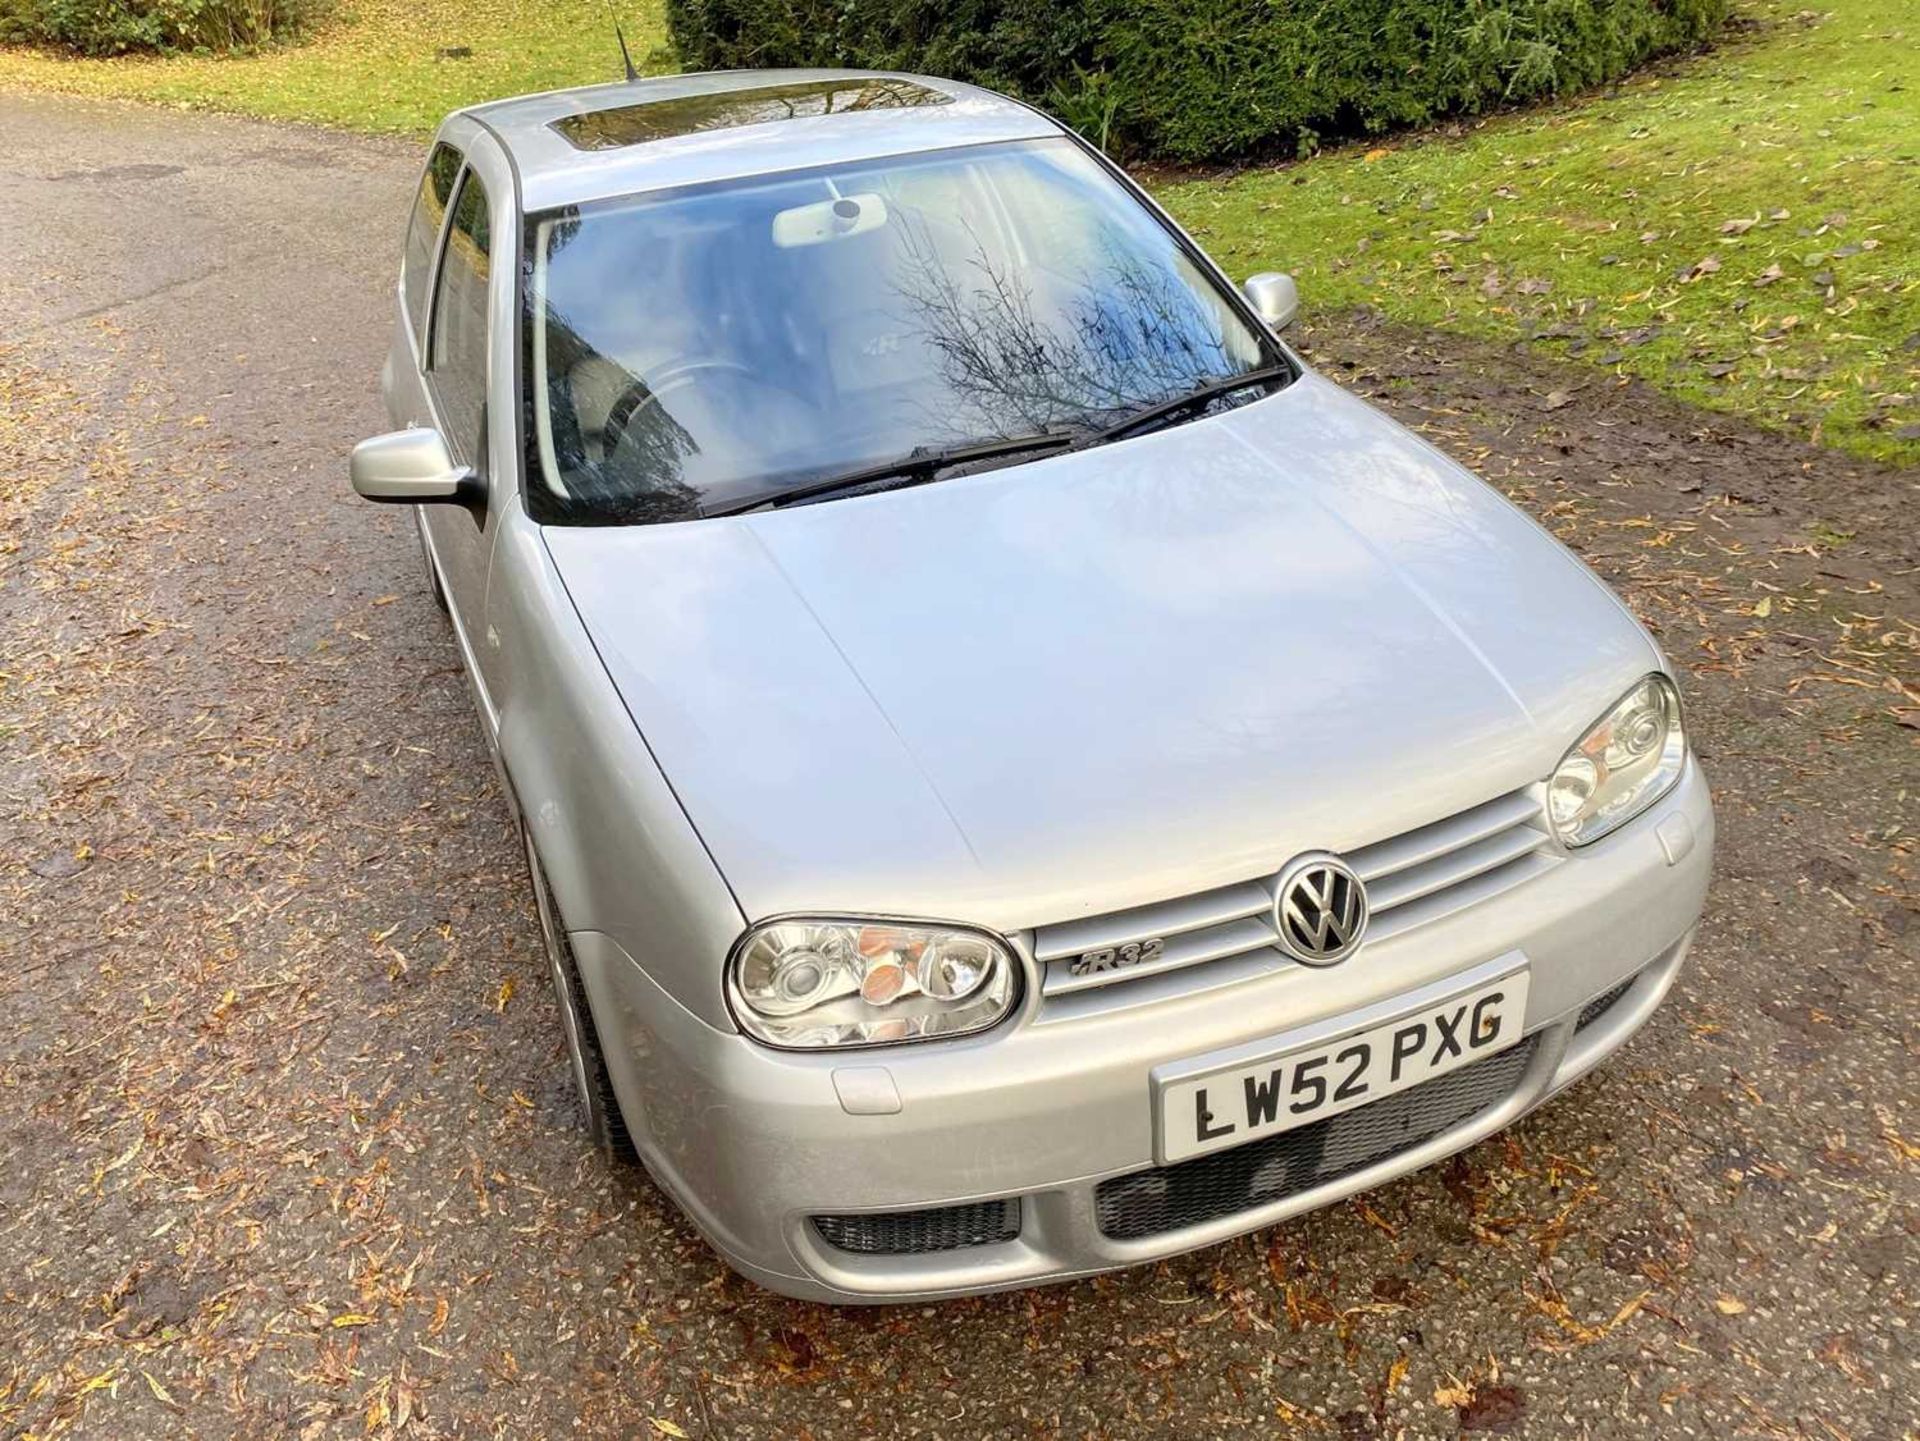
column 1624, row 764
column 819, row 984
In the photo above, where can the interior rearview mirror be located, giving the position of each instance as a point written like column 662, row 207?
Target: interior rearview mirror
column 836, row 219
column 410, row 467
column 1274, row 297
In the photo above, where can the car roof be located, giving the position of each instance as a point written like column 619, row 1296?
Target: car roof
column 574, row 146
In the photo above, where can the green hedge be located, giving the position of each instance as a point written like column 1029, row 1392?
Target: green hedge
column 113, row 27
column 1233, row 78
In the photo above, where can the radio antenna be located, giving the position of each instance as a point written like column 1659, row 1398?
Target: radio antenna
column 625, row 59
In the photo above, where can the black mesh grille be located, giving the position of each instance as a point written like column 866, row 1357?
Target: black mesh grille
column 916, row 1233
column 1171, row 1198
column 1594, row 1009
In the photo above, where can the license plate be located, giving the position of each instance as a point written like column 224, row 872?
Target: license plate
column 1235, row 1104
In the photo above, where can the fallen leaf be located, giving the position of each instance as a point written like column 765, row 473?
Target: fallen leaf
column 1769, row 275
column 1739, row 227
column 1396, row 1373
column 160, row 1392
column 1494, row 1408
column 1456, row 1393
column 125, row 1157
column 1728, row 1306
column 667, row 1428
column 792, row 1351
column 351, row 1318
column 1903, row 1148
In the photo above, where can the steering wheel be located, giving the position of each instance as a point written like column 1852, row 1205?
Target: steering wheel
column 642, row 393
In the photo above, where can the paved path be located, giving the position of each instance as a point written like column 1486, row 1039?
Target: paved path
column 288, row 1146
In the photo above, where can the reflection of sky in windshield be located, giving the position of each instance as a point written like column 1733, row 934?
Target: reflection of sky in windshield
column 701, row 349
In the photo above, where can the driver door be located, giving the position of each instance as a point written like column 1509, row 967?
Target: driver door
column 455, row 375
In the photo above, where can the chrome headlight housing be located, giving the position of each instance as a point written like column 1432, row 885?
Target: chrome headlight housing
column 824, row 984
column 1633, row 756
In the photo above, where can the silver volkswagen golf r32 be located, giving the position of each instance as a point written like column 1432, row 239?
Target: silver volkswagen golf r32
column 1020, row 776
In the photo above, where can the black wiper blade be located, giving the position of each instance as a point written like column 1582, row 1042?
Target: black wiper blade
column 1202, row 394
column 916, row 467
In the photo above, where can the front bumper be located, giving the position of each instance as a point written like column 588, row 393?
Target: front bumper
column 754, row 1142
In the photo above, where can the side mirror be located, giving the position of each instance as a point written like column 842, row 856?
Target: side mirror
column 1274, row 297
column 410, row 467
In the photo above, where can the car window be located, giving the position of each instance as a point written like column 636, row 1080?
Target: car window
column 851, row 316
column 429, row 207
column 458, row 335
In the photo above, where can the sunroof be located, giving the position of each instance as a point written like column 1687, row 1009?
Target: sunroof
column 729, row 109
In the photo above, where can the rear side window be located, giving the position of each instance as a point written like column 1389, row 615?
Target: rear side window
column 458, row 335
column 436, row 188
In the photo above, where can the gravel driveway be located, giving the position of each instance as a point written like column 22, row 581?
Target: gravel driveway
column 288, row 1142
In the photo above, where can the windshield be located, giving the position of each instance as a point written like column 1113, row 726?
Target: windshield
column 700, row 351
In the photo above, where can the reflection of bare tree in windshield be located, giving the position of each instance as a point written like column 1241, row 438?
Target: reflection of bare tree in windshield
column 1127, row 334
column 646, row 456
column 638, row 477
column 690, row 353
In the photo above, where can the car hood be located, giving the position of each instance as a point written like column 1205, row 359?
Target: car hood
column 1103, row 678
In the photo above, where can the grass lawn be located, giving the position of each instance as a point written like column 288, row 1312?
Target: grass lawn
column 377, row 64
column 1739, row 230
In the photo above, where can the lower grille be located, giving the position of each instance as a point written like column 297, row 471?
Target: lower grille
column 1594, row 1009
column 1206, row 1188
column 919, row 1233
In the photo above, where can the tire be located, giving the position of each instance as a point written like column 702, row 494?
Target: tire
column 601, row 1108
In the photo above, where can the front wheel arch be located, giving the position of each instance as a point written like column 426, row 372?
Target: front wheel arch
column 605, row 1122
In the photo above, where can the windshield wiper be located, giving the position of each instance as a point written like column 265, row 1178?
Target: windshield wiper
column 1206, row 392
column 918, row 466
column 925, row 463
